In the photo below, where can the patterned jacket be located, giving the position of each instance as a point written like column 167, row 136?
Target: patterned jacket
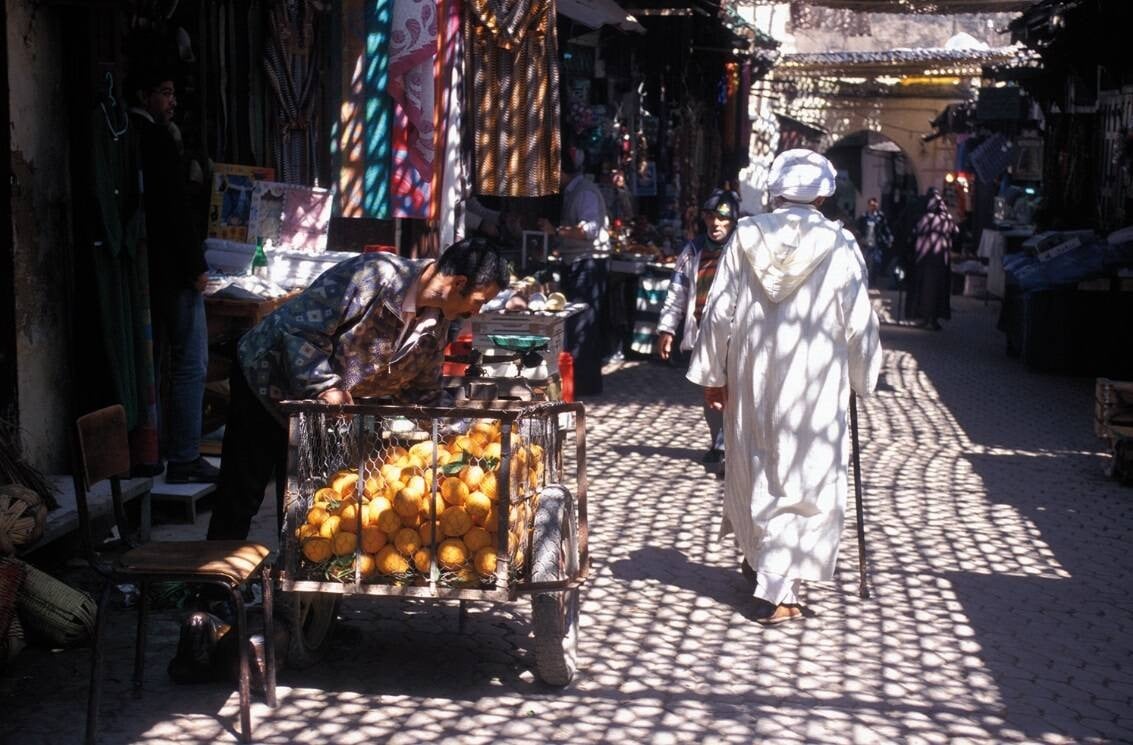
column 344, row 331
column 680, row 300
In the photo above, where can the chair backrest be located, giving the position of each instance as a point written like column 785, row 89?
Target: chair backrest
column 102, row 451
column 103, row 444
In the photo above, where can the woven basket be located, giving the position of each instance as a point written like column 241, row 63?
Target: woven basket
column 59, row 614
column 11, row 578
column 22, row 517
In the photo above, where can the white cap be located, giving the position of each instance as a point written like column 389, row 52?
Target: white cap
column 801, row 175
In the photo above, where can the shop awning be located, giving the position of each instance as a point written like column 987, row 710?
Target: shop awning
column 596, row 13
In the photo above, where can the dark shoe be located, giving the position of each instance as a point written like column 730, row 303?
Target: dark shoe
column 747, row 571
column 198, row 471
column 712, row 456
column 140, row 470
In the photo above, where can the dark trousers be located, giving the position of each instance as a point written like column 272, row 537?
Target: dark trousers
column 254, row 451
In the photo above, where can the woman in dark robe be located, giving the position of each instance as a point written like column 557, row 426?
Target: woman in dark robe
column 930, row 294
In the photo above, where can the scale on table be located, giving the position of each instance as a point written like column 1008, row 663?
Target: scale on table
column 513, row 368
column 524, row 351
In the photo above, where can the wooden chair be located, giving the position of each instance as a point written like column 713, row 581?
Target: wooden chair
column 102, row 452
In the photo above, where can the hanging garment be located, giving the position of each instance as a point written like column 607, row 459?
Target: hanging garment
column 122, row 277
column 291, row 63
column 412, row 53
column 790, row 330
column 453, row 180
column 514, row 97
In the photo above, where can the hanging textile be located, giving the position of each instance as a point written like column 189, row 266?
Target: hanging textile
column 121, row 276
column 452, row 189
column 291, row 62
column 514, row 99
column 412, row 53
column 377, row 110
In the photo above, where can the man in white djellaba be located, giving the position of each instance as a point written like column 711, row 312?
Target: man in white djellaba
column 788, row 332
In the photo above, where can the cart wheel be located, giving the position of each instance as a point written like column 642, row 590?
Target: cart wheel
column 312, row 616
column 555, row 614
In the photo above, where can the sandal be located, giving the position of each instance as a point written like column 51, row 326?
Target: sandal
column 780, row 614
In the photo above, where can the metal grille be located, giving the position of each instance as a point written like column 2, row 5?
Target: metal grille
column 405, row 500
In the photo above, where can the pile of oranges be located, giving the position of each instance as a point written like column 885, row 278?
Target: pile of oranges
column 388, row 519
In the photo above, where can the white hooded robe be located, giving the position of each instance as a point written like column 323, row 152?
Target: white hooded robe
column 789, row 328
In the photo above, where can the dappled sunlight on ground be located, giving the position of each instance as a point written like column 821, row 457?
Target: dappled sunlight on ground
column 997, row 561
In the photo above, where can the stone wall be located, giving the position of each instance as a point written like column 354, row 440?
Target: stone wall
column 41, row 229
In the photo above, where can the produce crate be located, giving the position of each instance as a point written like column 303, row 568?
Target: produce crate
column 390, row 500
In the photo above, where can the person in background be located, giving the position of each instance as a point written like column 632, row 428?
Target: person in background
column 876, row 238
column 930, row 294
column 374, row 326
column 178, row 275
column 788, row 333
column 621, row 209
column 584, row 227
column 497, row 224
column 688, row 293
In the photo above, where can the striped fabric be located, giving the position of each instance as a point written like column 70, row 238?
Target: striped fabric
column 412, row 54
column 514, row 99
column 705, row 273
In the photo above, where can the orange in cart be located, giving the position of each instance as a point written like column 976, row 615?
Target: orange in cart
column 373, row 540
column 345, row 484
column 407, row 503
column 454, row 491
column 477, row 506
column 455, row 521
column 348, row 516
column 317, row 515
column 407, row 541
column 317, row 549
column 452, row 553
column 329, row 526
column 477, row 538
column 489, row 485
column 391, row 562
column 389, row 520
column 367, row 565
column 472, row 475
column 423, row 559
column 485, row 561
column 372, row 487
column 344, row 543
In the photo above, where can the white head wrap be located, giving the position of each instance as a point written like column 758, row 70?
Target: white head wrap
column 801, row 175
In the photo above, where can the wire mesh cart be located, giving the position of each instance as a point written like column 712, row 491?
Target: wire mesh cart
column 473, row 503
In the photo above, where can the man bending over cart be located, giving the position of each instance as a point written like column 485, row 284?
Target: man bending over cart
column 373, row 326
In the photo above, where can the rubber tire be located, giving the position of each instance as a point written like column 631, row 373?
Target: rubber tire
column 554, row 615
column 311, row 620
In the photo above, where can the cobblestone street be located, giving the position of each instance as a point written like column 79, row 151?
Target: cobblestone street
column 997, row 552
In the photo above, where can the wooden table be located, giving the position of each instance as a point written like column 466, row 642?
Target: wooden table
column 227, row 319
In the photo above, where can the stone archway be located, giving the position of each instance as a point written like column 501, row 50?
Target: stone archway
column 871, row 165
column 902, row 120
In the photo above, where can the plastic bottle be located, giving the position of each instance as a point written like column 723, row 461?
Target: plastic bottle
column 566, row 372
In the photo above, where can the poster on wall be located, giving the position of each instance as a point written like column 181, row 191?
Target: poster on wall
column 292, row 216
column 230, row 206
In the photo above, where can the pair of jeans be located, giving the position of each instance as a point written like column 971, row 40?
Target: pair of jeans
column 184, row 334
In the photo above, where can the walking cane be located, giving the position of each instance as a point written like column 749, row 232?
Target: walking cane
column 863, row 590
